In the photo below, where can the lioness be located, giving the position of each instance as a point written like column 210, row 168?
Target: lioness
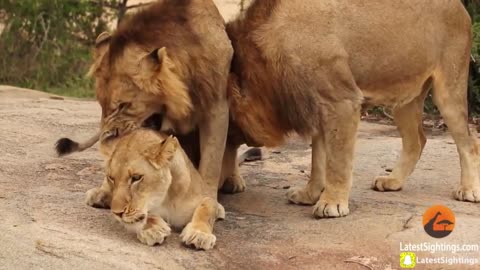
column 154, row 186
column 307, row 66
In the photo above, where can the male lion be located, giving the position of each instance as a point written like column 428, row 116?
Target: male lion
column 172, row 58
column 154, row 186
column 307, row 66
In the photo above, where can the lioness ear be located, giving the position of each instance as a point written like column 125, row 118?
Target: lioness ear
column 163, row 153
column 101, row 48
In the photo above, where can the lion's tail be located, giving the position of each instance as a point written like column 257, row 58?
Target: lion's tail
column 66, row 146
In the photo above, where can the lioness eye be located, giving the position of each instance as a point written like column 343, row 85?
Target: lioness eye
column 136, row 178
column 110, row 178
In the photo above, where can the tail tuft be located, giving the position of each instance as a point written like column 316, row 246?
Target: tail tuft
column 65, row 146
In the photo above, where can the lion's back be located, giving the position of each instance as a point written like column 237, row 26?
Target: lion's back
column 368, row 32
column 316, row 52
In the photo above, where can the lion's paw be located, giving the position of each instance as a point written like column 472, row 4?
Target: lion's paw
column 198, row 238
column 220, row 212
column 299, row 195
column 154, row 234
column 97, row 198
column 468, row 194
column 234, row 184
column 387, row 183
column 330, row 208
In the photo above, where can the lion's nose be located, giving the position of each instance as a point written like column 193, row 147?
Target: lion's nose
column 119, row 214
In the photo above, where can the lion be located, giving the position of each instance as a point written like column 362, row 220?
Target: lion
column 154, row 186
column 171, row 58
column 308, row 66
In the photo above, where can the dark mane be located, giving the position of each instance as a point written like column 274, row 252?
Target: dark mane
column 155, row 26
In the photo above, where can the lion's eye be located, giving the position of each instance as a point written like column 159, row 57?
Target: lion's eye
column 136, row 178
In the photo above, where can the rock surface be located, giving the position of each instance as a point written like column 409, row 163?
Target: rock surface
column 46, row 225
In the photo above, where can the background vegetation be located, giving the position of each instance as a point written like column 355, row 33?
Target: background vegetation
column 46, row 44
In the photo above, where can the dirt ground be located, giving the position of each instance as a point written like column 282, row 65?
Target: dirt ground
column 46, row 225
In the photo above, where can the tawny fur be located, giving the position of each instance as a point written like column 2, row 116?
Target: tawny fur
column 153, row 186
column 307, row 66
column 171, row 58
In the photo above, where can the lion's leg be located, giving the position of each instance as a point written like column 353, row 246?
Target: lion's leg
column 409, row 122
column 99, row 197
column 213, row 137
column 231, row 181
column 199, row 231
column 310, row 194
column 450, row 96
column 339, row 127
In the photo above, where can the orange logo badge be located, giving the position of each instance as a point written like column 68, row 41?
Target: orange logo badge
column 438, row 221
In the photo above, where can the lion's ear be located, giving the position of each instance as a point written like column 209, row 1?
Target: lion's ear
column 103, row 38
column 101, row 48
column 162, row 153
column 157, row 61
column 160, row 77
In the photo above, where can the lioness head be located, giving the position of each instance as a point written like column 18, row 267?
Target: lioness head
column 139, row 175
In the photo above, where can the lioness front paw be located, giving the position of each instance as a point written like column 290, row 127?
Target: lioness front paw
column 97, row 198
column 468, row 194
column 199, row 238
column 153, row 234
column 299, row 195
column 234, row 184
column 387, row 183
column 330, row 207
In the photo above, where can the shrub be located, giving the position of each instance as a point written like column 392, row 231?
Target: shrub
column 46, row 43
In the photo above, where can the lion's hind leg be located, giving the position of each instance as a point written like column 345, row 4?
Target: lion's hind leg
column 231, row 181
column 199, row 232
column 408, row 119
column 450, row 96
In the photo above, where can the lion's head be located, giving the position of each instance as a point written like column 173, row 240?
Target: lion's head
column 139, row 174
column 139, row 69
column 136, row 82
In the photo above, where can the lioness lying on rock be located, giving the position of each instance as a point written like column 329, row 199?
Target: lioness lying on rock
column 154, row 186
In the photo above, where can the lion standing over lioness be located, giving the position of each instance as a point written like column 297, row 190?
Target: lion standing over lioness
column 307, row 66
column 171, row 58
